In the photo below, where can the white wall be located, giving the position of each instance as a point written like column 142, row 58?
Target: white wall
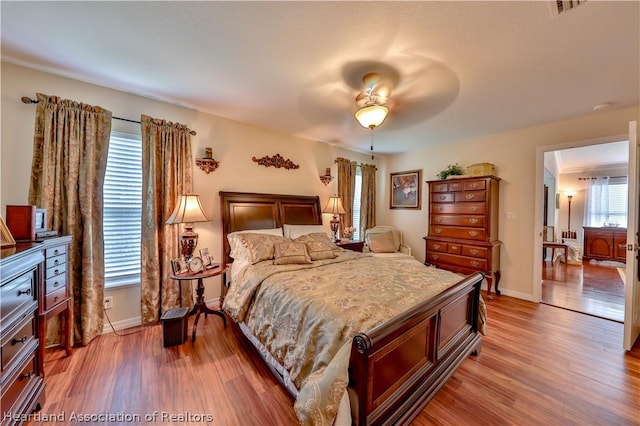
column 234, row 144
column 514, row 154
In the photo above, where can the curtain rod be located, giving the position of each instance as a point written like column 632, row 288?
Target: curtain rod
column 28, row 100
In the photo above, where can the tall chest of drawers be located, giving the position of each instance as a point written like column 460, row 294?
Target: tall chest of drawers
column 22, row 380
column 54, row 291
column 463, row 227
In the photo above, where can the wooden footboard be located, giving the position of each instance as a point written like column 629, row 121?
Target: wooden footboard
column 398, row 366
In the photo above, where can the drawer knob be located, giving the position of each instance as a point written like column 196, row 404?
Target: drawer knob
column 474, row 208
column 21, row 340
column 443, row 197
column 473, row 220
column 473, row 233
column 56, row 272
column 27, row 292
column 29, row 375
column 439, row 208
column 473, row 251
column 56, row 262
column 435, row 257
column 56, row 284
column 55, row 299
column 469, row 196
column 454, row 247
column 475, row 263
column 437, row 231
column 436, row 246
column 473, row 185
column 56, row 252
column 437, row 219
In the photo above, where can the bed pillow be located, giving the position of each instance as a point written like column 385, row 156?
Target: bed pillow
column 320, row 250
column 382, row 242
column 238, row 249
column 253, row 247
column 295, row 231
column 317, row 236
column 290, row 252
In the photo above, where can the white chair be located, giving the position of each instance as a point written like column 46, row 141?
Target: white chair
column 386, row 242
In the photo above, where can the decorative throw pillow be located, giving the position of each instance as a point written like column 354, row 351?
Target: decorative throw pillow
column 291, row 253
column 382, row 242
column 319, row 250
column 317, row 236
column 254, row 247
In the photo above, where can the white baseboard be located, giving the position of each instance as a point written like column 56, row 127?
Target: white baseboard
column 122, row 324
column 136, row 321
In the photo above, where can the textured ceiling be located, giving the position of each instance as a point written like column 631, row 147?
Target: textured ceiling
column 460, row 69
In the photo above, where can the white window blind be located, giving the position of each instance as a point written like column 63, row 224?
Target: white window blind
column 357, row 196
column 606, row 202
column 122, row 191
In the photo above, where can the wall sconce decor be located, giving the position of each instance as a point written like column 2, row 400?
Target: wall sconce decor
column 207, row 163
column 326, row 179
column 277, row 161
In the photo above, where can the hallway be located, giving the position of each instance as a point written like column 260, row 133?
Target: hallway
column 591, row 289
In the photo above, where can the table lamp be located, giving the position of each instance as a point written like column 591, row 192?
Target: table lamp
column 334, row 206
column 188, row 211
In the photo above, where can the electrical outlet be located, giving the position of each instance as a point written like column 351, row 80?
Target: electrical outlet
column 108, row 302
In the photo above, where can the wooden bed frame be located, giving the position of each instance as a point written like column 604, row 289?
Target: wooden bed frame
column 397, row 367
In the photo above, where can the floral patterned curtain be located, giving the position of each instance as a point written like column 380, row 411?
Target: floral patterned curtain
column 70, row 148
column 368, row 199
column 346, row 188
column 166, row 173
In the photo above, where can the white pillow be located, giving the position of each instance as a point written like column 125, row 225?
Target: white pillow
column 295, row 231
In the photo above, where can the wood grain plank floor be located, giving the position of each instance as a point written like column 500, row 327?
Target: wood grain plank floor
column 539, row 365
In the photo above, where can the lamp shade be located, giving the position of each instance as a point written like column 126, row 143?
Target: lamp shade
column 371, row 116
column 188, row 210
column 334, row 206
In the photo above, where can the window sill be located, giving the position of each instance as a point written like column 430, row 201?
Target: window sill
column 122, row 282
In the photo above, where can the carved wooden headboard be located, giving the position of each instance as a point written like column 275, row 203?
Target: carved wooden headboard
column 245, row 210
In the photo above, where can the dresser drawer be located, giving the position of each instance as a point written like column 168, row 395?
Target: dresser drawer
column 454, row 248
column 54, row 271
column 16, row 297
column 55, row 251
column 444, row 197
column 480, row 252
column 52, row 299
column 458, row 220
column 459, row 232
column 470, row 196
column 462, row 208
column 51, row 262
column 462, row 261
column 21, row 386
column 475, row 185
column 437, row 246
column 439, row 187
column 55, row 283
column 21, row 337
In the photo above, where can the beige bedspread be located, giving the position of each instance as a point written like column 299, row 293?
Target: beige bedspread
column 307, row 315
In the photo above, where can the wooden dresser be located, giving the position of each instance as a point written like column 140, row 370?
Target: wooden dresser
column 607, row 243
column 22, row 380
column 463, row 227
column 54, row 290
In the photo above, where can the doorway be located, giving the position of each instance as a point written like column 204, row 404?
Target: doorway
column 589, row 279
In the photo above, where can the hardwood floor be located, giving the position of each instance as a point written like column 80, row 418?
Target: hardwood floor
column 539, row 365
column 587, row 288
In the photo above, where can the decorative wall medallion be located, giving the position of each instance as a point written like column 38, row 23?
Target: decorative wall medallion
column 276, row 161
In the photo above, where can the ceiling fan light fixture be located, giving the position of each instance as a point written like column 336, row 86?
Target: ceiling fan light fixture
column 371, row 116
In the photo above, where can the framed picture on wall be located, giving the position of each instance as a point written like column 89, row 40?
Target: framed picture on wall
column 406, row 190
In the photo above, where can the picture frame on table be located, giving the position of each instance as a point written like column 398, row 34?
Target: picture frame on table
column 179, row 266
column 406, row 190
column 207, row 259
column 6, row 238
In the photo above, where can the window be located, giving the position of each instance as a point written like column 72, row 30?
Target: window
column 357, row 196
column 606, row 202
column 122, row 191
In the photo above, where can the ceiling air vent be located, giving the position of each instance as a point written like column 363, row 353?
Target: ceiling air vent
column 562, row 6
